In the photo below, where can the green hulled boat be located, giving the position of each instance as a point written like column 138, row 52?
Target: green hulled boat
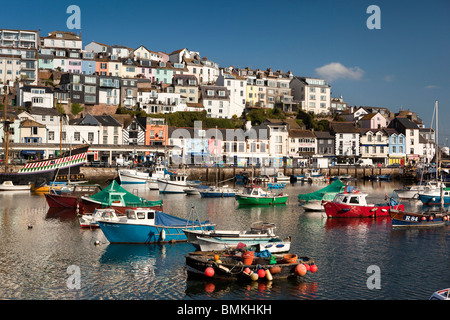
column 255, row 195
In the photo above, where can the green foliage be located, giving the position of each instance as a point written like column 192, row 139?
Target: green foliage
column 76, row 108
column 257, row 116
column 310, row 122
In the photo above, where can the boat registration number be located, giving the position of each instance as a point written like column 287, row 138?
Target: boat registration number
column 411, row 218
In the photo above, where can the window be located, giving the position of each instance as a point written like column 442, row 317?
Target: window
column 76, row 136
column 51, row 135
column 90, row 136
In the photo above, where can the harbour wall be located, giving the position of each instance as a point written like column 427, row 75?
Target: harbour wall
column 210, row 175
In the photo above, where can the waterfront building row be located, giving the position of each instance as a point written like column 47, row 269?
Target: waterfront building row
column 275, row 141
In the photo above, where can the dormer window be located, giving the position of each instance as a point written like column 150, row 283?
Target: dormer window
column 162, row 64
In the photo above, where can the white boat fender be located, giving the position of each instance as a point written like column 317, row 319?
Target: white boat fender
column 269, row 275
column 374, row 209
column 163, row 234
column 225, row 269
column 383, row 210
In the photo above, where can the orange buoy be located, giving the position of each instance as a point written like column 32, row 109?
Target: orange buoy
column 209, row 272
column 275, row 270
column 216, row 257
column 313, row 268
column 300, row 269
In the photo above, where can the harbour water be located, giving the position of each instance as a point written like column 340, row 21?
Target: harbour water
column 40, row 249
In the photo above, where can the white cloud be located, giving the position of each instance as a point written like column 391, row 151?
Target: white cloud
column 336, row 70
column 431, row 86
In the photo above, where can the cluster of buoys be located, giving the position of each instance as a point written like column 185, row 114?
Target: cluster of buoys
column 259, row 274
column 302, row 268
column 431, row 218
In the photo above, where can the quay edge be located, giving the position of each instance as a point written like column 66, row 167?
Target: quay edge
column 209, row 175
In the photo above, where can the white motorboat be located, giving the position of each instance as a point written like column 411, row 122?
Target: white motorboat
column 273, row 244
column 9, row 186
column 133, row 176
column 174, row 183
column 412, row 192
column 90, row 220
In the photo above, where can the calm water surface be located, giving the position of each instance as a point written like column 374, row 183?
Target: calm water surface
column 34, row 261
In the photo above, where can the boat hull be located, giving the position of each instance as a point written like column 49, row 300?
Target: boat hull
column 169, row 187
column 433, row 200
column 273, row 245
column 146, row 234
column 61, row 201
column 247, row 200
column 43, row 172
column 133, row 177
column 401, row 218
column 313, row 205
column 340, row 210
column 217, row 194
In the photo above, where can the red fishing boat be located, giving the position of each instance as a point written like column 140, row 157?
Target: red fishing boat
column 354, row 205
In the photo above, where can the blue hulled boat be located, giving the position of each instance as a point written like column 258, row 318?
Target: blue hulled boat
column 216, row 192
column 144, row 225
column 433, row 197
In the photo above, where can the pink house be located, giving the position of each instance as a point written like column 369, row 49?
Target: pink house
column 373, row 121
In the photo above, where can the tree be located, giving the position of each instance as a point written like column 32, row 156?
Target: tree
column 76, row 108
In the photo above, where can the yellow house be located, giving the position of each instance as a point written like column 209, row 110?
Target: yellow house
column 252, row 95
column 129, row 68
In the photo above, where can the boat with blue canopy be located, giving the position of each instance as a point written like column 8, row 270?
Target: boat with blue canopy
column 145, row 226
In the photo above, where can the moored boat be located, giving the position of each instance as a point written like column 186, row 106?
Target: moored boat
column 233, row 266
column 258, row 229
column 433, row 197
column 443, row 294
column 313, row 201
column 43, row 172
column 401, row 218
column 271, row 244
column 218, row 192
column 174, row 183
column 412, row 191
column 90, row 220
column 117, row 197
column 255, row 195
column 10, row 186
column 145, row 226
column 354, row 205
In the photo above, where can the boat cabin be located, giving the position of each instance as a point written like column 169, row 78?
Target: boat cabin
column 254, row 191
column 140, row 215
column 177, row 178
column 353, row 199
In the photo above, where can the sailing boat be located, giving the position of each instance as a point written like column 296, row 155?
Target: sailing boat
column 434, row 218
column 40, row 172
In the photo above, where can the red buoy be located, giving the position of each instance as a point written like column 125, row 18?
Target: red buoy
column 424, row 219
column 313, row 268
column 307, row 266
column 300, row 269
column 261, row 273
column 209, row 272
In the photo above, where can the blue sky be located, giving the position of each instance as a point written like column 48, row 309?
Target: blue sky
column 405, row 64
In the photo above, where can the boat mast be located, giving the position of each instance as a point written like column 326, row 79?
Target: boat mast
column 6, row 126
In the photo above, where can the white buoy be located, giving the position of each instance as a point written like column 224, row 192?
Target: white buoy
column 163, row 234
